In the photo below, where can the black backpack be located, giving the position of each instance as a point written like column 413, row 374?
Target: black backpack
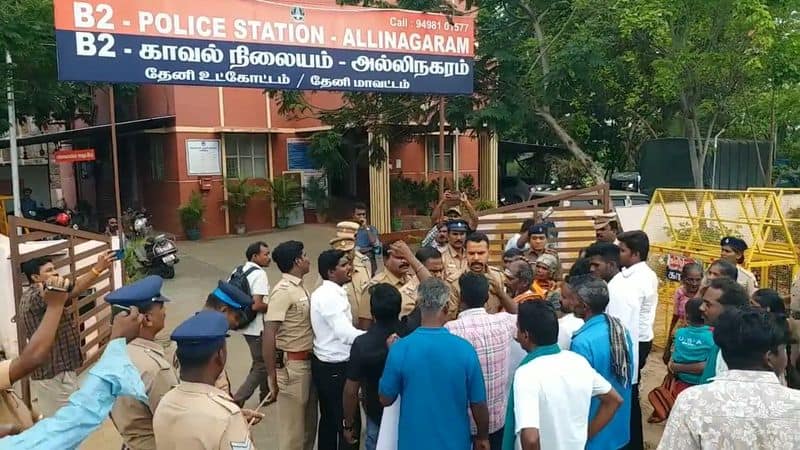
column 239, row 279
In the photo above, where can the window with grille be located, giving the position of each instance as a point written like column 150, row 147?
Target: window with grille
column 246, row 155
column 432, row 144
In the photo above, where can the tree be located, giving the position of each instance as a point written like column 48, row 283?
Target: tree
column 705, row 54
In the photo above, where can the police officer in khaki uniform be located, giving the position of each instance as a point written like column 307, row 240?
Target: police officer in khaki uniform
column 237, row 307
column 403, row 271
column 196, row 415
column 540, row 244
column 362, row 273
column 134, row 419
column 455, row 256
column 288, row 344
column 477, row 250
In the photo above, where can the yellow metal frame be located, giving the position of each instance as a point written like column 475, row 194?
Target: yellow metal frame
column 4, row 214
column 682, row 214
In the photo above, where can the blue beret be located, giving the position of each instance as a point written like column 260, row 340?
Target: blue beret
column 458, row 225
column 144, row 291
column 733, row 242
column 201, row 334
column 232, row 296
column 537, row 229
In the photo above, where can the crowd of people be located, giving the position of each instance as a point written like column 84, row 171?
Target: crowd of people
column 438, row 350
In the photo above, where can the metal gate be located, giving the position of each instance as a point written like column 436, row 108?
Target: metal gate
column 73, row 253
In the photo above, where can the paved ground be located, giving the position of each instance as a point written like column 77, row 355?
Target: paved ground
column 203, row 263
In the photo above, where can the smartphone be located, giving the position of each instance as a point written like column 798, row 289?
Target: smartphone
column 119, row 254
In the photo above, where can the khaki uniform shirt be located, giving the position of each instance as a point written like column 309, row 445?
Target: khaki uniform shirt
column 454, row 263
column 405, row 285
column 12, row 409
column 196, row 416
column 223, row 383
column 747, row 280
column 134, row 419
column 493, row 304
column 362, row 273
column 289, row 304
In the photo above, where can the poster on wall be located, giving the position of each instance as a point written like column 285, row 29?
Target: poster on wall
column 297, row 154
column 675, row 265
column 296, row 216
column 265, row 45
column 203, row 157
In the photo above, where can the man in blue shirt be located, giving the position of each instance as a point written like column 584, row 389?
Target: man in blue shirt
column 438, row 375
column 605, row 343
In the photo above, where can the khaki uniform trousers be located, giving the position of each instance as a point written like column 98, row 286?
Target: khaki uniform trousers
column 297, row 406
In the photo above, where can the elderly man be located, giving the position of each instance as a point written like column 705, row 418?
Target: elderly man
column 518, row 280
column 431, row 363
column 608, row 348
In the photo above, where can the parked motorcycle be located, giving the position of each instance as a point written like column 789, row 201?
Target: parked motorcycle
column 56, row 216
column 158, row 254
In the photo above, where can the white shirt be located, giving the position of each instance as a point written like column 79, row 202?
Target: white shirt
column 332, row 323
column 623, row 303
column 259, row 285
column 567, row 326
column 552, row 393
column 741, row 409
column 644, row 282
column 512, row 243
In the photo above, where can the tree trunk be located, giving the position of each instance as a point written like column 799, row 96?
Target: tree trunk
column 594, row 169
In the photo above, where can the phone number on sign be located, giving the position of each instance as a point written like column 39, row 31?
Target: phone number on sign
column 431, row 24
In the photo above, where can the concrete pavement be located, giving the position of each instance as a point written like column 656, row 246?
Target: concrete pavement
column 202, row 265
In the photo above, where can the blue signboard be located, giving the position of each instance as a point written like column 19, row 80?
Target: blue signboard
column 297, row 155
column 208, row 43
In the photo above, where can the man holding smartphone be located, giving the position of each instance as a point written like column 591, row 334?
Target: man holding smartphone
column 56, row 379
column 367, row 239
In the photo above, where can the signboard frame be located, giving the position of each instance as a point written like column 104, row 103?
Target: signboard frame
column 265, row 45
column 191, row 163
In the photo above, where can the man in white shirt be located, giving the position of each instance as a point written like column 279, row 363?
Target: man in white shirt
column 568, row 323
column 553, row 389
column 641, row 282
column 334, row 333
column 257, row 255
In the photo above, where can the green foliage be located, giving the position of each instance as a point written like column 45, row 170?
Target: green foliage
column 418, row 196
column 483, row 205
column 134, row 271
column 708, row 233
column 466, row 184
column 240, row 191
column 316, row 192
column 191, row 214
column 285, row 194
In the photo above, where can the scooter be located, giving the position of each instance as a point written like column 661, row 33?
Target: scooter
column 158, row 254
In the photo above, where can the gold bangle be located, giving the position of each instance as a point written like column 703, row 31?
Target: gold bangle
column 96, row 272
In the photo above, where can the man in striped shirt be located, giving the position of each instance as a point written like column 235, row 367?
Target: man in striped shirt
column 492, row 336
